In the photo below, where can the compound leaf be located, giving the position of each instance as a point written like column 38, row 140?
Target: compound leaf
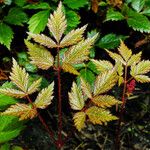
column 23, row 111
column 142, row 78
column 105, row 81
column 57, row 23
column 43, row 40
column 76, row 99
column 39, row 56
column 99, row 115
column 45, row 97
column 73, row 37
column 105, row 101
column 19, row 76
column 79, row 120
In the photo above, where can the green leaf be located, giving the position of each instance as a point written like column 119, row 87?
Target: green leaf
column 20, row 3
column 99, row 115
column 5, row 101
column 137, row 21
column 138, row 5
column 75, row 4
column 87, row 75
column 146, row 12
column 17, row 148
column 10, row 128
column 5, row 146
column 14, row 19
column 38, row 21
column 73, row 19
column 42, row 5
column 114, row 15
column 6, row 35
column 110, row 41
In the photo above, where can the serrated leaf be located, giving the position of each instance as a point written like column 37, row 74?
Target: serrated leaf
column 73, row 19
column 102, row 65
column 39, row 56
column 45, row 97
column 76, row 99
column 23, row 111
column 73, row 37
column 114, row 15
column 19, row 77
column 105, row 101
column 5, row 146
column 38, row 21
column 34, row 86
column 146, row 12
column 105, row 81
column 116, row 57
column 110, row 41
column 99, row 115
column 20, row 3
column 43, row 40
column 79, row 53
column 79, row 120
column 13, row 92
column 85, row 86
column 75, row 4
column 134, row 59
column 142, row 78
column 6, row 35
column 138, row 5
column 16, row 16
column 141, row 68
column 42, row 5
column 69, row 68
column 137, row 21
column 124, row 51
column 57, row 23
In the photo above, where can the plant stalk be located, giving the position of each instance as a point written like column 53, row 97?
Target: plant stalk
column 59, row 142
column 118, row 130
column 50, row 132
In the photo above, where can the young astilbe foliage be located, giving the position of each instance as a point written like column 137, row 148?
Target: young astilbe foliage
column 90, row 102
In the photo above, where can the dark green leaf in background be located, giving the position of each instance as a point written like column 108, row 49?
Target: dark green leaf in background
column 16, row 16
column 20, row 2
column 38, row 21
column 6, row 35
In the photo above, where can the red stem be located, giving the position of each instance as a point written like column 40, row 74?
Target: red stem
column 59, row 142
column 118, row 130
column 50, row 132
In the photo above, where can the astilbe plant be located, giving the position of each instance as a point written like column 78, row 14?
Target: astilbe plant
column 90, row 102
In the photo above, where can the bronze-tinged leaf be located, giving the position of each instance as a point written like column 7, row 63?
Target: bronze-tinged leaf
column 43, row 40
column 69, row 68
column 73, row 37
column 142, row 78
column 105, row 81
column 102, row 65
column 45, row 97
column 13, row 92
column 94, row 5
column 86, row 88
column 79, row 53
column 19, row 76
column 76, row 99
column 141, row 68
column 57, row 23
column 79, row 120
column 3, row 76
column 39, row 56
column 124, row 51
column 116, row 57
column 134, row 59
column 105, row 101
column 34, row 86
column 99, row 115
column 23, row 111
